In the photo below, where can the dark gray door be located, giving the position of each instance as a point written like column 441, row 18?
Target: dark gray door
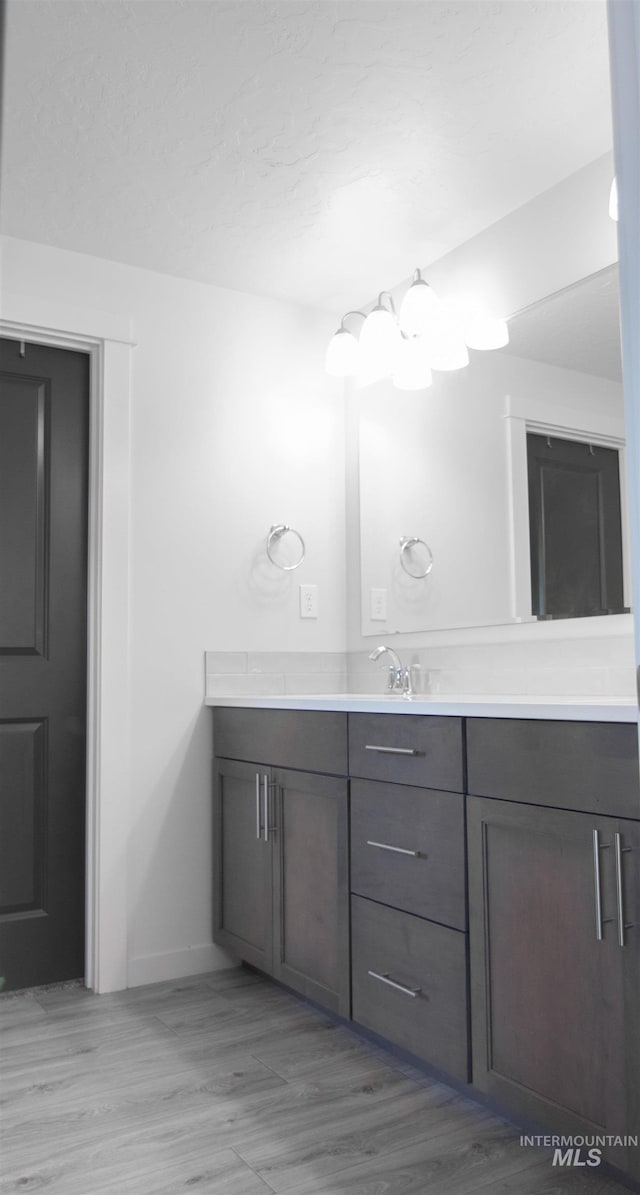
column 44, row 421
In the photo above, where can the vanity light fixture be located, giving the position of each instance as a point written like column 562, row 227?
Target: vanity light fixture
column 380, row 339
column 343, row 351
column 419, row 307
column 426, row 334
column 479, row 329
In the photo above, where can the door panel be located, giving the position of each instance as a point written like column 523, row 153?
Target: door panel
column 547, row 995
column 24, row 469
column 44, row 423
column 311, row 935
column 22, row 816
column 243, row 882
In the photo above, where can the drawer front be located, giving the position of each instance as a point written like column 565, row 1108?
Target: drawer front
column 308, row 740
column 407, row 849
column 407, row 749
column 421, row 958
column 588, row 766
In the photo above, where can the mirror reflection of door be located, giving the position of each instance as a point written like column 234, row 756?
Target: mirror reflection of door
column 44, row 422
column 575, row 528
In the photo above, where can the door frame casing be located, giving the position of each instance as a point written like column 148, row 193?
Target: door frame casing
column 107, row 341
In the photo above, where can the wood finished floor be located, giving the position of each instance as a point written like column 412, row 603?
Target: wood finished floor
column 226, row 1084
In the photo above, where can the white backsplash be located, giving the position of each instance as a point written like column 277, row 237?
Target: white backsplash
column 256, row 674
column 595, row 667
column 563, row 669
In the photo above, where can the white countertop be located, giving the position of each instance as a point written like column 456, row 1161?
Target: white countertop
column 570, row 709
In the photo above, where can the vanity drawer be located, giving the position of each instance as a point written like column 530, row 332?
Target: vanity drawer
column 307, row 740
column 407, row 849
column 429, row 1017
column 407, row 749
column 588, row 766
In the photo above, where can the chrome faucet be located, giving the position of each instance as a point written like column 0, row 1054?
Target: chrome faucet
column 399, row 677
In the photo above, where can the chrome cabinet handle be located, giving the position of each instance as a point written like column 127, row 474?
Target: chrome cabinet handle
column 600, row 920
column 258, row 824
column 391, row 750
column 267, row 825
column 399, row 987
column 620, row 850
column 265, row 805
column 399, row 850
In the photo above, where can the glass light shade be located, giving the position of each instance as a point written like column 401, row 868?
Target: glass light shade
column 419, row 307
column 613, row 200
column 412, row 370
column 343, row 355
column 482, row 331
column 445, row 348
column 378, row 343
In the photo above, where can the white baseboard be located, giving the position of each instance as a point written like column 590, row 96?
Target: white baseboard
column 175, row 964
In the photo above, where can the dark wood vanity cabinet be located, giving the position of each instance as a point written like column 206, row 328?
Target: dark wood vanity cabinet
column 281, row 897
column 512, row 908
column 554, row 909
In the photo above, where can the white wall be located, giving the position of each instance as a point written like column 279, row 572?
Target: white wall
column 233, row 427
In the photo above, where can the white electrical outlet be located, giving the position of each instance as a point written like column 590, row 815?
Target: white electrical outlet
column 378, row 605
column 308, row 601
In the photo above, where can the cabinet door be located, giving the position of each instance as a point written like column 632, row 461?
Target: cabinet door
column 311, row 898
column 551, row 1037
column 243, row 912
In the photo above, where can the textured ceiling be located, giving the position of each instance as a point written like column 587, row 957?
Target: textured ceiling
column 311, row 151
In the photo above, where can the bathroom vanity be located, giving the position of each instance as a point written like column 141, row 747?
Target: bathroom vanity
column 461, row 878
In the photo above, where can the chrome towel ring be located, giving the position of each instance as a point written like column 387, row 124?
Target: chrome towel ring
column 408, row 542
column 275, row 534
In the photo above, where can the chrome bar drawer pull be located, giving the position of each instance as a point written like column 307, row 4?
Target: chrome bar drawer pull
column 399, row 987
column 265, row 806
column 597, row 847
column 399, row 850
column 258, row 823
column 620, row 850
column 391, row 750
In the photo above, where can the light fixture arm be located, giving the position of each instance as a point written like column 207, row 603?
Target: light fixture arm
column 392, row 306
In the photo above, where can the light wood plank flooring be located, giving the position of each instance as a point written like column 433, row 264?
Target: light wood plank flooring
column 226, row 1084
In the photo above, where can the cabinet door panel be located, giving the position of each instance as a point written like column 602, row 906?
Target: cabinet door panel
column 547, row 995
column 243, row 882
column 311, row 888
